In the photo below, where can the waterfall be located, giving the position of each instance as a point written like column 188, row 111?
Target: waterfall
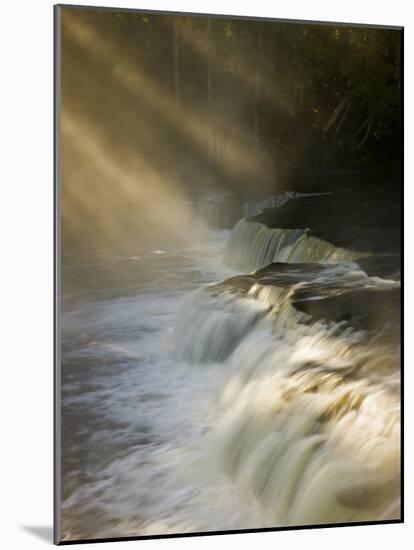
column 311, row 438
column 253, row 245
column 218, row 322
column 308, row 413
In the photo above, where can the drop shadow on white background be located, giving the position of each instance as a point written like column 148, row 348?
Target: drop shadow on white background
column 42, row 532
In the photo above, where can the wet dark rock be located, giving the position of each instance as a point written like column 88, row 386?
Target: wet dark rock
column 387, row 266
column 346, row 296
column 366, row 221
column 365, row 309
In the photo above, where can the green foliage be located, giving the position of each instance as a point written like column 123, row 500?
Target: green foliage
column 360, row 66
column 299, row 97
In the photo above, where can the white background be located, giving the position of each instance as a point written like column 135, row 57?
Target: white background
column 26, row 300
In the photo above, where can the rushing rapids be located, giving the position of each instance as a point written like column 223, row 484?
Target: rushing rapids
column 308, row 420
column 270, row 398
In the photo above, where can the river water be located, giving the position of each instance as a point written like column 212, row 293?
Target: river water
column 184, row 411
column 133, row 415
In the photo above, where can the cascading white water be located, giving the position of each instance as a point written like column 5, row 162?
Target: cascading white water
column 189, row 408
column 213, row 318
column 308, row 415
column 313, row 443
column 253, row 245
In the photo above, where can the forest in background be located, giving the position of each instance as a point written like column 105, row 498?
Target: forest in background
column 157, row 106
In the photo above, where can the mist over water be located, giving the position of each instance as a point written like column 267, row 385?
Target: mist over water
column 230, row 274
column 133, row 415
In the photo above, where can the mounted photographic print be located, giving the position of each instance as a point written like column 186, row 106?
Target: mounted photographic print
column 228, row 263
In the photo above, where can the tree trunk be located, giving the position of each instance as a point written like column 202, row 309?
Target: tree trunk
column 176, row 54
column 257, row 86
column 336, row 114
column 367, row 132
column 212, row 142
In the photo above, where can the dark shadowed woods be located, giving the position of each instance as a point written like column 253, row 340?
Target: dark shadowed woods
column 157, row 109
